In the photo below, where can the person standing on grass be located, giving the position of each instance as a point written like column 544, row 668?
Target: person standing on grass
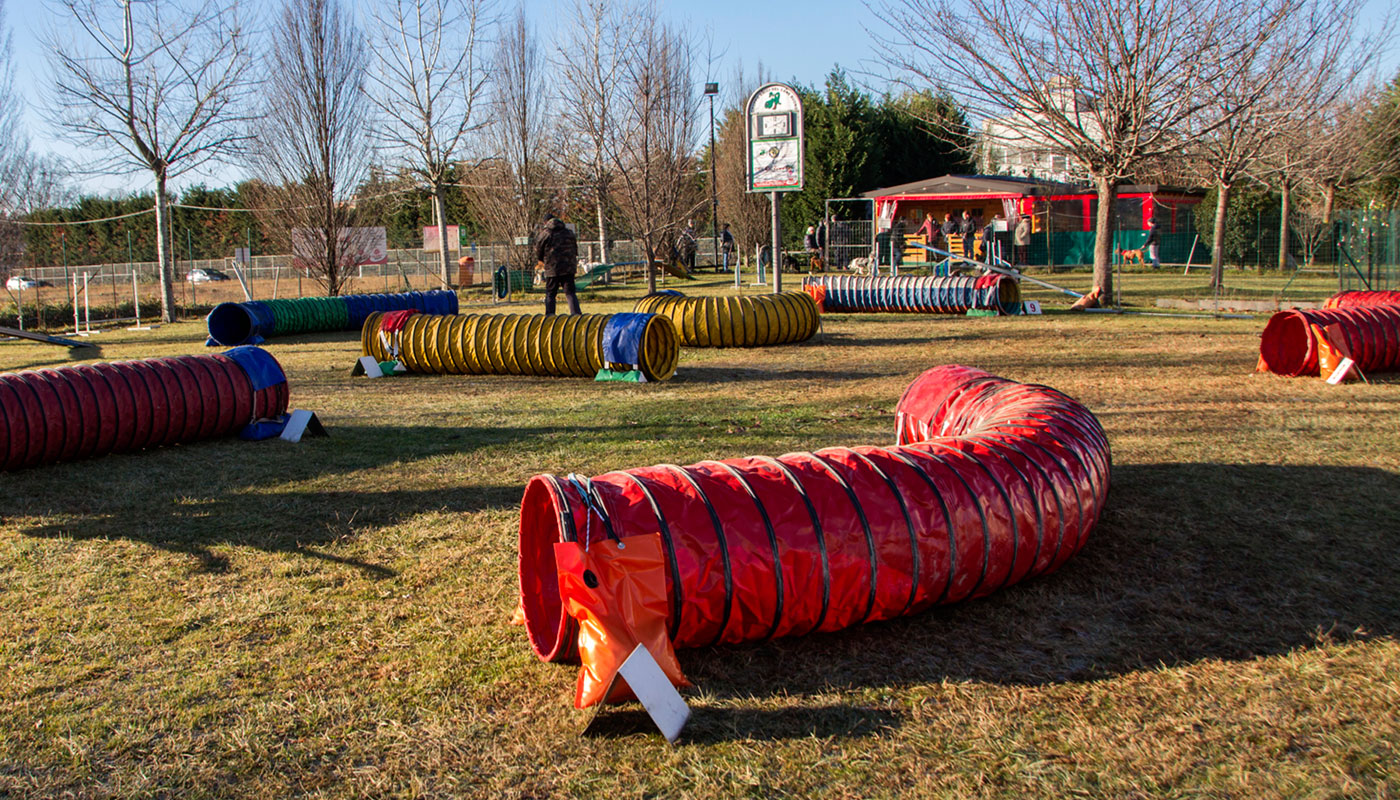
column 1021, row 238
column 556, row 249
column 1154, row 241
column 967, row 229
column 726, row 245
column 687, row 245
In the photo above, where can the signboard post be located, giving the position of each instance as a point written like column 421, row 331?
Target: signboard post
column 775, row 151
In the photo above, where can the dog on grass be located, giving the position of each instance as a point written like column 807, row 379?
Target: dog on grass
column 1129, row 256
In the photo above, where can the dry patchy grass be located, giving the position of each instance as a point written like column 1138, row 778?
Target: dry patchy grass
column 329, row 619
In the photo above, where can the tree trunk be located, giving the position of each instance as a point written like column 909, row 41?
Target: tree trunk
column 440, row 215
column 602, row 229
column 165, row 269
column 1329, row 200
column 1103, row 239
column 1217, row 246
column 1285, row 207
column 651, row 265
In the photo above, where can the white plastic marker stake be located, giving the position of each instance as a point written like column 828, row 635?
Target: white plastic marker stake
column 1340, row 373
column 301, row 422
column 1030, row 307
column 371, row 367
column 662, row 702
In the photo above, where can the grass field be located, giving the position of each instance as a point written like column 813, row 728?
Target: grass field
column 329, row 619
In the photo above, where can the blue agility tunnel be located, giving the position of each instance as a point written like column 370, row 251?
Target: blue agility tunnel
column 233, row 324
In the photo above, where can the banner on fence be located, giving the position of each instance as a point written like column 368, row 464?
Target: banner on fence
column 357, row 247
column 431, row 243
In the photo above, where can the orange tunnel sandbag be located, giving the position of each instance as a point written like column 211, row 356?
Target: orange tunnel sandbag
column 88, row 410
column 758, row 547
column 1370, row 333
column 1353, row 299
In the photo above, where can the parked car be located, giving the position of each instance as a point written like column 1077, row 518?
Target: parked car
column 19, row 282
column 205, row 275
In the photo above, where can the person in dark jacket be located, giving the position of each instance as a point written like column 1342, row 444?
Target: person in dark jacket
column 967, row 228
column 1153, row 243
column 556, row 248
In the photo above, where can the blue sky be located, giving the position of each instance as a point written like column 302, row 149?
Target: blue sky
column 794, row 40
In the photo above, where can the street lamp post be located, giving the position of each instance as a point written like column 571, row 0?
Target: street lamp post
column 712, row 89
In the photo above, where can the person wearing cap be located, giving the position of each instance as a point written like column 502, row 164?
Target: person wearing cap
column 556, row 249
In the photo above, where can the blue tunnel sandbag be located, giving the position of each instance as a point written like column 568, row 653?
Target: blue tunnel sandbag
column 263, row 370
column 252, row 322
column 622, row 338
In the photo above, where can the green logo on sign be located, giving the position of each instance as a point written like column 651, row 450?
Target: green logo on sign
column 772, row 101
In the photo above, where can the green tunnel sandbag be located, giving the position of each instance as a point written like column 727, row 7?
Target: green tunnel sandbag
column 517, row 344
column 765, row 319
column 233, row 324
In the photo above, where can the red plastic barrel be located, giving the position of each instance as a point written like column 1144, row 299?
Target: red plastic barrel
column 993, row 482
column 70, row 413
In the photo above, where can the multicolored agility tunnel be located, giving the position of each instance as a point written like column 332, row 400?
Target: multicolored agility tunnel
column 526, row 344
column 89, row 410
column 1371, row 334
column 952, row 294
column 232, row 324
column 992, row 482
column 1353, row 299
column 764, row 319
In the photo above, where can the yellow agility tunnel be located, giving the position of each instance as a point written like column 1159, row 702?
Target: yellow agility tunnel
column 765, row 319
column 525, row 344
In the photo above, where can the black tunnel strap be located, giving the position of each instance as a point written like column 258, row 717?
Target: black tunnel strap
column 816, row 528
column 899, row 453
column 976, row 503
column 990, row 441
column 772, row 542
column 908, row 523
column 865, row 526
column 723, row 548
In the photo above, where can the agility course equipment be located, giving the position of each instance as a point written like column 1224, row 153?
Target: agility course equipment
column 954, row 294
column 1357, row 298
column 527, row 344
column 71, row 413
column 992, row 482
column 1371, row 334
column 736, row 321
column 232, row 324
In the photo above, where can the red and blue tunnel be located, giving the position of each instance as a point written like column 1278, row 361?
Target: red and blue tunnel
column 232, row 324
column 992, row 482
column 89, row 410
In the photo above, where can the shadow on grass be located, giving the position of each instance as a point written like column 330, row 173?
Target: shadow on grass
column 712, row 724
column 267, row 495
column 1190, row 562
column 687, row 373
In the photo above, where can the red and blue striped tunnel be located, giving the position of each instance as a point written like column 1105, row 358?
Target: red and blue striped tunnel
column 89, row 410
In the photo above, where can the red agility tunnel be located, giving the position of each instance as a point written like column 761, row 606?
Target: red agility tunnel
column 70, row 413
column 1353, row 299
column 993, row 482
column 1371, row 335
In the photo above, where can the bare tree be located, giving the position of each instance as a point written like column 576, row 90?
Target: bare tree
column 590, row 63
column 156, row 86
column 1110, row 83
column 430, row 79
column 313, row 146
column 509, row 190
column 653, row 159
column 1328, row 63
